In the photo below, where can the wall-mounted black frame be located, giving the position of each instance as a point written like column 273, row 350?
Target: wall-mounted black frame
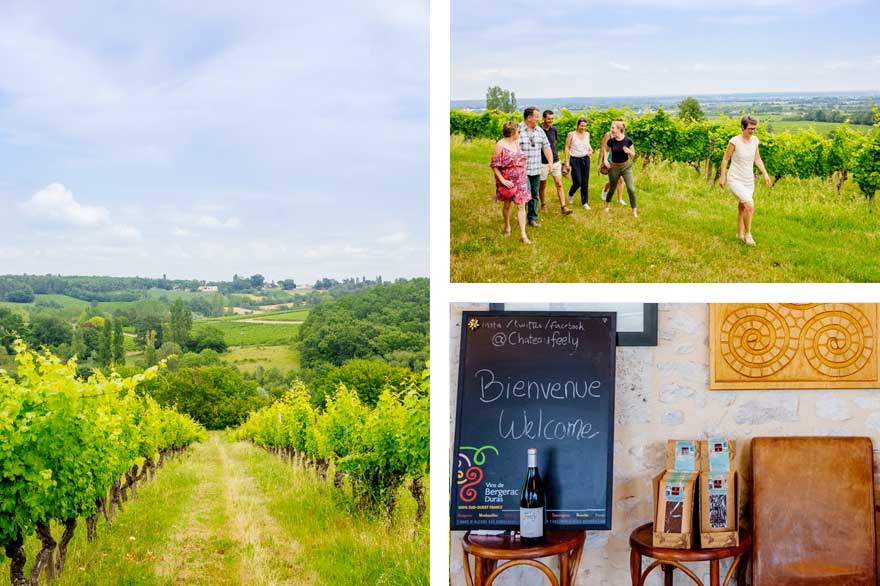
column 604, row 421
column 646, row 337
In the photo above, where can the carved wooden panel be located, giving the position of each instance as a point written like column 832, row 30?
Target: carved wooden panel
column 793, row 346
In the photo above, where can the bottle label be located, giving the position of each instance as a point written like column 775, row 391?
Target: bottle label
column 531, row 522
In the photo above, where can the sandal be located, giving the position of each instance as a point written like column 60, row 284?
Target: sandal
column 506, row 231
column 566, row 211
column 525, row 240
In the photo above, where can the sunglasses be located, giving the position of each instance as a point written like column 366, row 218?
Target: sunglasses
column 532, row 140
column 752, row 128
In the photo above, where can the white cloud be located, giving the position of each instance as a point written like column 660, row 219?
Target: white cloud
column 214, row 222
column 336, row 250
column 394, row 238
column 126, row 232
column 621, row 66
column 56, row 203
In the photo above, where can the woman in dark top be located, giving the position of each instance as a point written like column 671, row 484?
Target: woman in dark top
column 621, row 148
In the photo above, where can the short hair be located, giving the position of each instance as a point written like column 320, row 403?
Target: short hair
column 544, row 114
column 529, row 111
column 509, row 129
column 746, row 120
column 581, row 119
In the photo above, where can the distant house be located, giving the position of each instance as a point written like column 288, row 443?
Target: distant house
column 209, row 288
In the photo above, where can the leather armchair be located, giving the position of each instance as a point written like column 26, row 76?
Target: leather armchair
column 813, row 511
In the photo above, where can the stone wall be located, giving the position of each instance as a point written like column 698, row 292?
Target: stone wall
column 663, row 393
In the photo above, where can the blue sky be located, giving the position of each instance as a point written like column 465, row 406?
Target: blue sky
column 283, row 138
column 568, row 48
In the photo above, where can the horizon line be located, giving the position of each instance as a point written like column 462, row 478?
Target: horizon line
column 710, row 94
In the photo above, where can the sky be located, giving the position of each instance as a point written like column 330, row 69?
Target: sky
column 282, row 138
column 566, row 48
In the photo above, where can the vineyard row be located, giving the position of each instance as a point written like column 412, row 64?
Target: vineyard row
column 701, row 144
column 73, row 448
column 377, row 448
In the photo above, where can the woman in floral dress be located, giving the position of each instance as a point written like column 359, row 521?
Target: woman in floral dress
column 511, row 184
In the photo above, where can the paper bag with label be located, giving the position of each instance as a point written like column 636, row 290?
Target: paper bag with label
column 719, row 506
column 674, row 493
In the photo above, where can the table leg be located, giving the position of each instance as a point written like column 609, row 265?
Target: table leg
column 741, row 571
column 564, row 572
column 714, row 580
column 635, row 567
column 479, row 571
column 667, row 575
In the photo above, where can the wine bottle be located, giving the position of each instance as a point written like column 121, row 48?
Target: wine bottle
column 531, row 504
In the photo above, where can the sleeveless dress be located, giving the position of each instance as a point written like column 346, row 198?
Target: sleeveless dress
column 741, row 176
column 512, row 166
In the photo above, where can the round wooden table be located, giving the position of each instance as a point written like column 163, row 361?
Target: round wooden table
column 488, row 550
column 641, row 542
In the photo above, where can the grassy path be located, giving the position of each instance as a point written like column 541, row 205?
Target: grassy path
column 232, row 514
column 805, row 231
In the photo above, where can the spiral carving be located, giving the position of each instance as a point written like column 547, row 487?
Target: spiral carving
column 756, row 341
column 467, row 492
column 838, row 341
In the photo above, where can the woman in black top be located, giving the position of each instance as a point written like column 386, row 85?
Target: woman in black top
column 621, row 148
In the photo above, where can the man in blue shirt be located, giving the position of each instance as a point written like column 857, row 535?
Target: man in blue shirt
column 554, row 168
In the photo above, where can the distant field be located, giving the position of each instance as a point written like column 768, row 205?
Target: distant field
column 63, row 300
column 245, row 334
column 294, row 315
column 248, row 358
column 284, row 315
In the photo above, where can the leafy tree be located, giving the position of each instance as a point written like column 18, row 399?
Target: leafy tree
column 500, row 99
column 209, row 337
column 257, row 281
column 105, row 345
column 181, row 323
column 118, row 349
column 371, row 323
column 49, row 330
column 23, row 294
column 216, row 396
column 218, row 304
column 287, row 284
column 150, row 348
column 11, row 327
column 78, row 344
column 91, row 337
column 866, row 171
column 689, row 110
column 368, row 377
column 200, row 305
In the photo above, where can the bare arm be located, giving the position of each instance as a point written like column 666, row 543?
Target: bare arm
column 723, row 180
column 496, row 170
column 548, row 154
column 568, row 147
column 589, row 148
column 631, row 150
column 604, row 152
column 760, row 165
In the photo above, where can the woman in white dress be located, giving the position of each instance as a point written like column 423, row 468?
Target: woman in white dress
column 742, row 151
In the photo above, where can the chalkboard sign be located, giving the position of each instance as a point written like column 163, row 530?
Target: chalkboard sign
column 540, row 380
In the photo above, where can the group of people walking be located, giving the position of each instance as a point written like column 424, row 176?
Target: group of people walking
column 527, row 156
